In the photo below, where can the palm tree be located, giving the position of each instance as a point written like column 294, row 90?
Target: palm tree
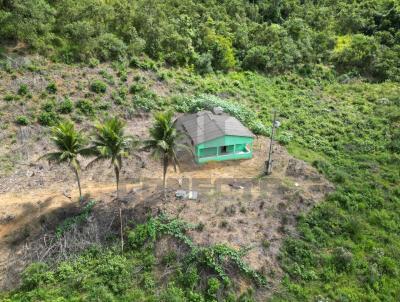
column 110, row 143
column 70, row 144
column 163, row 142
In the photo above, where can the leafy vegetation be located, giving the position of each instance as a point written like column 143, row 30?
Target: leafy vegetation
column 112, row 276
column 68, row 223
column 359, row 37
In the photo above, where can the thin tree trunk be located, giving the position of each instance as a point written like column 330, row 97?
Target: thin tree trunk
column 121, row 229
column 117, row 180
column 79, row 183
column 165, row 163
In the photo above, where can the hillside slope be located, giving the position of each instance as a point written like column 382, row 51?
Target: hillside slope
column 346, row 248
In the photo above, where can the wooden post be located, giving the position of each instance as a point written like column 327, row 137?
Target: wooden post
column 268, row 163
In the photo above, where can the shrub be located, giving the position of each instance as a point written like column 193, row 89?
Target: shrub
column 48, row 118
column 10, row 97
column 49, row 106
column 22, row 120
column 173, row 294
column 98, row 86
column 52, row 87
column 85, row 106
column 66, row 106
column 355, row 52
column 221, row 49
column 256, row 58
column 35, row 275
column 136, row 88
column 93, row 62
column 145, row 104
column 213, row 287
column 110, row 47
column 342, row 259
column 203, row 63
column 23, row 89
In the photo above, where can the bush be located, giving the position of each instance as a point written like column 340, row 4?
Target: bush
column 93, row 62
column 203, row 63
column 52, row 87
column 256, row 59
column 342, row 259
column 213, row 287
column 49, row 106
column 173, row 294
column 48, row 118
column 35, row 275
column 22, row 120
column 9, row 97
column 66, row 106
column 98, row 86
column 221, row 49
column 136, row 88
column 355, row 52
column 110, row 47
column 23, row 89
column 85, row 106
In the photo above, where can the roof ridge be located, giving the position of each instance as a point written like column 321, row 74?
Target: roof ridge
column 215, row 121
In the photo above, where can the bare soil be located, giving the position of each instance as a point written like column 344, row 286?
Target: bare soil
column 237, row 205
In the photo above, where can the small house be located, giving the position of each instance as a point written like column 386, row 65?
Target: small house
column 216, row 136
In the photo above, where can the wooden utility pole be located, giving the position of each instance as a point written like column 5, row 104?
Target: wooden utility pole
column 268, row 163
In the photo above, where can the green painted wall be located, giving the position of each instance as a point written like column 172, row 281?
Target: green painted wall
column 214, row 150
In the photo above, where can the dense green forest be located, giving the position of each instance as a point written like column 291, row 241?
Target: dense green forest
column 330, row 69
column 357, row 37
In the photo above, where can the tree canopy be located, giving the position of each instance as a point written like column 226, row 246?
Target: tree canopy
column 358, row 37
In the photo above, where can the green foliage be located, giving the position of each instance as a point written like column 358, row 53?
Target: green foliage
column 10, row 97
column 98, row 86
column 23, row 89
column 85, row 106
column 36, row 275
column 203, row 63
column 136, row 88
column 70, row 144
column 68, row 223
column 275, row 36
column 221, row 50
column 208, row 102
column 22, row 120
column 93, row 62
column 214, row 257
column 52, row 87
column 110, row 47
column 46, row 118
column 65, row 106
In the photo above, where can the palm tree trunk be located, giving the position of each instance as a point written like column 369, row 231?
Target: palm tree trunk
column 79, row 183
column 165, row 163
column 117, row 179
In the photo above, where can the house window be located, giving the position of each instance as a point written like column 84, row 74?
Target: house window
column 226, row 149
column 243, row 148
column 207, row 152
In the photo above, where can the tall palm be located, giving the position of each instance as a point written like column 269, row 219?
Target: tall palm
column 110, row 143
column 163, row 142
column 70, row 144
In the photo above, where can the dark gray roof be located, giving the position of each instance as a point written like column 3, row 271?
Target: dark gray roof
column 204, row 126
